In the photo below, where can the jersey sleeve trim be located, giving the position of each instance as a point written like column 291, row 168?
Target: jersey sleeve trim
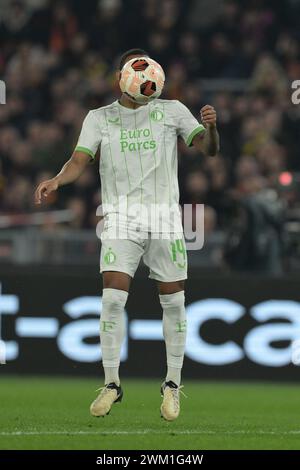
column 196, row 131
column 84, row 150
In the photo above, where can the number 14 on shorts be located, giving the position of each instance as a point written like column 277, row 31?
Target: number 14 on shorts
column 178, row 253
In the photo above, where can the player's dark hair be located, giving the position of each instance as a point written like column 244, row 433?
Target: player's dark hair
column 131, row 52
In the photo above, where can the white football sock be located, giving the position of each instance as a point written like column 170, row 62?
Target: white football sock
column 111, row 375
column 112, row 331
column 174, row 329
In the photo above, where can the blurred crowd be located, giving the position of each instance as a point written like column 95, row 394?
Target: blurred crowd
column 58, row 60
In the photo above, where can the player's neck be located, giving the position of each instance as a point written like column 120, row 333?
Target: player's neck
column 124, row 101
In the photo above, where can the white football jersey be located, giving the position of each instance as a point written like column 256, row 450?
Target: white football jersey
column 138, row 161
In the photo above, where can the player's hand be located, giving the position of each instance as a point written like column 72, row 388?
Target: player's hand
column 44, row 189
column 208, row 116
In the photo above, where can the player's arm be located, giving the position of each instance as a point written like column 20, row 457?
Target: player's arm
column 208, row 142
column 85, row 150
column 70, row 172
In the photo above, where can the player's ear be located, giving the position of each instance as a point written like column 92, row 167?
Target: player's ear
column 118, row 75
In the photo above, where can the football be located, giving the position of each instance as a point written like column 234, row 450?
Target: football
column 142, row 79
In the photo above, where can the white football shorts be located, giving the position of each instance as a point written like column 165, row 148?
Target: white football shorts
column 165, row 257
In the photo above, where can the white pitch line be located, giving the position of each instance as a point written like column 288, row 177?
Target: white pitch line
column 147, row 431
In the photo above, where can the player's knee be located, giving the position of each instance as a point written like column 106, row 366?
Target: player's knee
column 116, row 280
column 165, row 288
column 114, row 299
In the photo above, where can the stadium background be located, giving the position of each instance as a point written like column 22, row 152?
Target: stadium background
column 58, row 59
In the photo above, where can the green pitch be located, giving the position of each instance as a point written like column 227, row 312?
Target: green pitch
column 50, row 413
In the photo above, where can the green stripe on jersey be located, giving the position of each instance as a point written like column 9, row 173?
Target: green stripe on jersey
column 140, row 159
column 193, row 133
column 85, row 150
column 110, row 152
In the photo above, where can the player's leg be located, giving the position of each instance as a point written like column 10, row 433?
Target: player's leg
column 171, row 296
column 112, row 330
column 119, row 260
column 168, row 266
column 112, row 322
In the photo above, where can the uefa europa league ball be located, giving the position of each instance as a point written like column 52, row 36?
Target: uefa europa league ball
column 142, row 79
